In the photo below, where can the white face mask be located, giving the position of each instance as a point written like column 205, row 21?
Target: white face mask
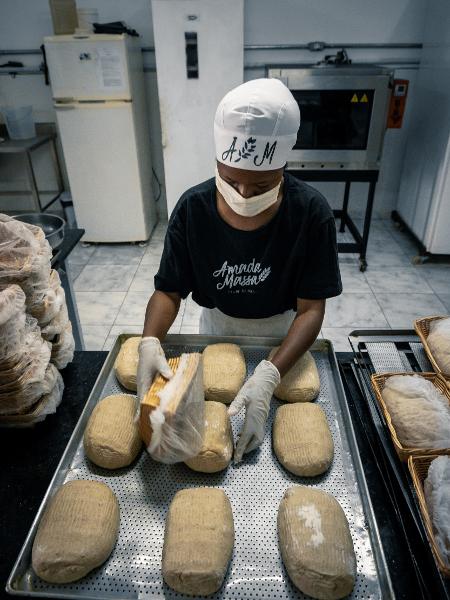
column 246, row 207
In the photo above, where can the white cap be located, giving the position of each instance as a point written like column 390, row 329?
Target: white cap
column 256, row 125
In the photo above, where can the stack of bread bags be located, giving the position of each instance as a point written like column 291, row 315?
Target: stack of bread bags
column 34, row 319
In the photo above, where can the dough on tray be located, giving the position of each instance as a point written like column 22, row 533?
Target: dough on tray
column 125, row 366
column 301, row 383
column 420, row 413
column 217, row 447
column 77, row 531
column 437, row 495
column 302, row 439
column 315, row 543
column 439, row 343
column 111, row 437
column 198, row 541
column 224, row 371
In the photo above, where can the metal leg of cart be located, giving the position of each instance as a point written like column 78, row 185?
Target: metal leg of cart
column 345, row 206
column 366, row 229
column 66, row 282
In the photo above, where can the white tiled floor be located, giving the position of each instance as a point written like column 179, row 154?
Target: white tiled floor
column 114, row 282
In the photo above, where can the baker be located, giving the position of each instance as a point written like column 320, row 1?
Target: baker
column 255, row 246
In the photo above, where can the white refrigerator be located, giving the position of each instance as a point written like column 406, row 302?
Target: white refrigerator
column 99, row 97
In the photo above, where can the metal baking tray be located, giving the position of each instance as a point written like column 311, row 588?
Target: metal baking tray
column 255, row 488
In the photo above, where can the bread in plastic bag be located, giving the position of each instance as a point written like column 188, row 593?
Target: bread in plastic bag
column 420, row 413
column 439, row 343
column 172, row 412
column 63, row 347
column 12, row 323
column 45, row 304
column 56, row 325
column 437, row 495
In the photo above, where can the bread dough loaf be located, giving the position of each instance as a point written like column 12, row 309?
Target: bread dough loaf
column 224, row 372
column 302, row 439
column 111, row 437
column 439, row 344
column 315, row 543
column 77, row 531
column 198, row 541
column 437, row 495
column 301, row 383
column 217, row 447
column 420, row 413
column 125, row 366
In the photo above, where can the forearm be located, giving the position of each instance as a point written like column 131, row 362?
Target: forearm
column 162, row 309
column 301, row 335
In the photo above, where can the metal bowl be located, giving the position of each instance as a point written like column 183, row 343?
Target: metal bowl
column 52, row 225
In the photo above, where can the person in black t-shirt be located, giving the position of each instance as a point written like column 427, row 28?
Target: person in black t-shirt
column 255, row 246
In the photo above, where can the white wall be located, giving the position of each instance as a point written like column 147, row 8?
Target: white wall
column 23, row 23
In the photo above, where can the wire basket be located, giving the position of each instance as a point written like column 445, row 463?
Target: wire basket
column 422, row 327
column 378, row 383
column 418, row 467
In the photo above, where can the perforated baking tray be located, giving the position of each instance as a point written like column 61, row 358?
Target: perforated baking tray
column 254, row 488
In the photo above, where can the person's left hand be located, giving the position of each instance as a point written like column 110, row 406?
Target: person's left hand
column 255, row 395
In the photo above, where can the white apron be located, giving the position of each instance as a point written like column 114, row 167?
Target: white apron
column 215, row 322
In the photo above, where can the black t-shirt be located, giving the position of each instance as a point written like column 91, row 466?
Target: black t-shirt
column 251, row 274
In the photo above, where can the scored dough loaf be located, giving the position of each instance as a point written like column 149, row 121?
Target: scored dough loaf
column 198, row 541
column 302, row 439
column 439, row 344
column 224, row 371
column 217, row 447
column 77, row 531
column 125, row 366
column 315, row 543
column 301, row 383
column 111, row 437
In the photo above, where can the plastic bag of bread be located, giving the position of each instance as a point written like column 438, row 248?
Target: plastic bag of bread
column 301, row 383
column 420, row 413
column 439, row 343
column 172, row 412
column 437, row 496
column 56, row 325
column 44, row 304
column 63, row 347
column 125, row 366
column 12, row 323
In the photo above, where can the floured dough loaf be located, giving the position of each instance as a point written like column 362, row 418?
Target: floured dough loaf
column 77, row 531
column 301, row 383
column 315, row 543
column 111, row 438
column 437, row 495
column 439, row 343
column 420, row 413
column 224, row 372
column 217, row 448
column 126, row 363
column 198, row 541
column 302, row 439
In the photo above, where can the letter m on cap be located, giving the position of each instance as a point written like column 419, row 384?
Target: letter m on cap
column 269, row 151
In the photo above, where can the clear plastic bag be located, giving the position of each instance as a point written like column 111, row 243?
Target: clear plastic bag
column 12, row 324
column 177, row 435
column 63, row 347
column 56, row 325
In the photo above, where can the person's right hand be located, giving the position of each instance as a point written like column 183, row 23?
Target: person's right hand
column 152, row 360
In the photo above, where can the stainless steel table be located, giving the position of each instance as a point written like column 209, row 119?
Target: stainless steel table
column 26, row 148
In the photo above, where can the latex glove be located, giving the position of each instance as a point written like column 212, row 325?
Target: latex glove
column 255, row 395
column 152, row 360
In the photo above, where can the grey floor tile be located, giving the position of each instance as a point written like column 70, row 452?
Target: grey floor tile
column 143, row 280
column 153, row 252
column 401, row 310
column 384, row 246
column 80, row 255
column 132, row 311
column 99, row 309
column 105, row 278
column 437, row 276
column 95, row 335
column 74, row 270
column 379, row 258
column 354, row 309
column 338, row 337
column 352, row 279
column 117, row 254
column 445, row 299
column 397, row 279
column 117, row 330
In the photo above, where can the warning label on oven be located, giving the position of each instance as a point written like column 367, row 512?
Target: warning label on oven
column 359, row 98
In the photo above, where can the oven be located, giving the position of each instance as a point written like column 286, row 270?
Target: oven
column 343, row 112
